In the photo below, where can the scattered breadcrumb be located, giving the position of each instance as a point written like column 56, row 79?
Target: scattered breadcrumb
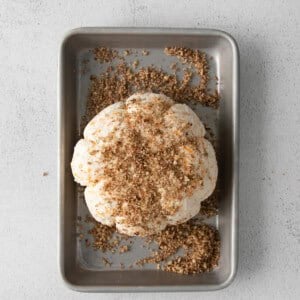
column 209, row 207
column 123, row 249
column 200, row 242
column 145, row 52
column 45, row 173
column 127, row 52
column 106, row 262
column 174, row 67
column 117, row 85
column 135, row 64
column 102, row 235
column 103, row 54
column 199, row 61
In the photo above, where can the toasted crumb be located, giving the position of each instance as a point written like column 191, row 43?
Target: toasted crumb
column 102, row 236
column 135, row 64
column 199, row 61
column 145, row 52
column 201, row 244
column 174, row 67
column 103, row 54
column 124, row 249
column 115, row 242
column 117, row 85
column 45, row 173
column 127, row 52
column 106, row 262
column 209, row 207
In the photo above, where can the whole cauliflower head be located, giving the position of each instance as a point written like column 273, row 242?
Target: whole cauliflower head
column 145, row 164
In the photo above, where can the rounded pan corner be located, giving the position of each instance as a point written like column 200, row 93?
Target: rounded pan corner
column 69, row 37
column 227, row 36
column 68, row 282
column 229, row 280
column 71, row 34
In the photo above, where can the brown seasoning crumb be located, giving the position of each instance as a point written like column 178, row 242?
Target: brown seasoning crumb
column 201, row 243
column 104, row 55
column 135, row 64
column 102, row 235
column 209, row 207
column 145, row 52
column 127, row 52
column 106, row 262
column 111, row 87
column 124, row 249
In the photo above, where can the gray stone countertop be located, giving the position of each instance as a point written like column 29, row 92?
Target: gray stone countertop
column 268, row 36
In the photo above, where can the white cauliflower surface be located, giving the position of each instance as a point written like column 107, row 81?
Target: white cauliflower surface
column 145, row 164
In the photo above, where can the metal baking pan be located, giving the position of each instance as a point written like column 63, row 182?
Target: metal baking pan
column 80, row 267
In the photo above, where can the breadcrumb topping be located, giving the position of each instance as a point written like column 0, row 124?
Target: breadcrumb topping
column 145, row 165
column 200, row 243
column 118, row 84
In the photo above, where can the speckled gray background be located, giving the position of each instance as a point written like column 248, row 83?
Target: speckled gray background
column 268, row 36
